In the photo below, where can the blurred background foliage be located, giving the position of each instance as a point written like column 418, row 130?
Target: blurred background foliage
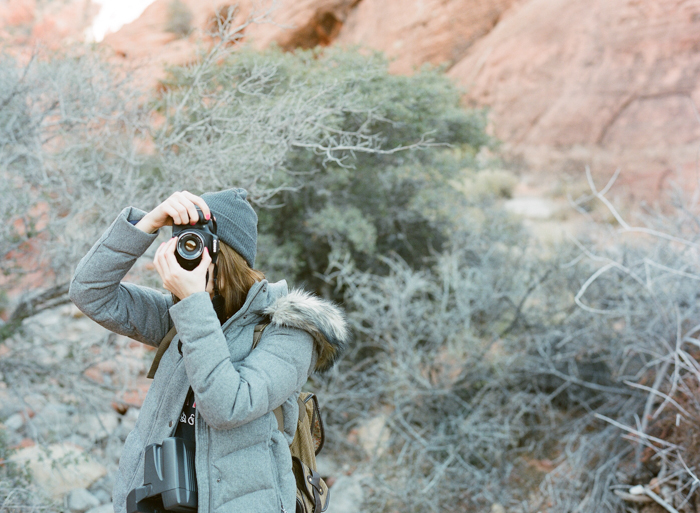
column 367, row 158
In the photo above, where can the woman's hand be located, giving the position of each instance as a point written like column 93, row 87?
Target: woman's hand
column 180, row 208
column 177, row 280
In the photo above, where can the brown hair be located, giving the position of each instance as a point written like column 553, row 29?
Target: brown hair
column 235, row 277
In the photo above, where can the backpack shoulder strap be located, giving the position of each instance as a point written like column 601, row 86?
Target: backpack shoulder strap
column 280, row 417
column 257, row 334
column 162, row 347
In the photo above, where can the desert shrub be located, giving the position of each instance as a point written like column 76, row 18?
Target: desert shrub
column 365, row 205
column 487, row 183
column 635, row 328
column 550, row 381
column 17, row 493
column 430, row 360
column 421, row 359
column 79, row 143
column 360, row 160
column 179, row 20
column 68, row 152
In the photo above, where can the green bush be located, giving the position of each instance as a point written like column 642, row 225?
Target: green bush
column 361, row 160
column 179, row 18
column 17, row 493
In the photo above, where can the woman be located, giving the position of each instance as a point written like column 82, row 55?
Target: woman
column 242, row 460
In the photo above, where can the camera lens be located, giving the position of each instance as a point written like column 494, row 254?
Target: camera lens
column 190, row 246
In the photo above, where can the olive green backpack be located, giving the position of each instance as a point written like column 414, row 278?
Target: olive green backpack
column 312, row 492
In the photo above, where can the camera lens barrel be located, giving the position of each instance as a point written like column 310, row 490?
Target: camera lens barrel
column 191, row 241
column 189, row 249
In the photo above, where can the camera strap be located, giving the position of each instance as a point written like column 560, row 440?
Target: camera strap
column 218, row 300
column 162, row 347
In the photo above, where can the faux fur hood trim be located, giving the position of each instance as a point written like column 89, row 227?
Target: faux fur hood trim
column 322, row 319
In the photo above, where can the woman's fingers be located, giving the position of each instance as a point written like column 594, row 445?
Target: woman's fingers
column 159, row 252
column 210, row 278
column 199, row 273
column 156, row 259
column 199, row 202
column 161, row 265
column 176, row 204
column 182, row 208
column 192, row 215
column 177, row 280
column 172, row 213
column 169, row 267
column 169, row 255
column 206, row 260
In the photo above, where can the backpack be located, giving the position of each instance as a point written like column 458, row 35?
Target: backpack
column 313, row 495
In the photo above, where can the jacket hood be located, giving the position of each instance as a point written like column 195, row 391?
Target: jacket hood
column 322, row 319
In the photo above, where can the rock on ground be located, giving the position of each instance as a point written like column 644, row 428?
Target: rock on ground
column 374, row 434
column 9, row 405
column 79, row 500
column 14, row 422
column 103, row 496
column 54, row 421
column 103, row 488
column 98, row 426
column 60, row 468
column 530, row 207
column 347, row 495
column 105, row 508
column 326, row 466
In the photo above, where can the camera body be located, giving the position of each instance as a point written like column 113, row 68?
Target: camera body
column 192, row 239
column 170, row 483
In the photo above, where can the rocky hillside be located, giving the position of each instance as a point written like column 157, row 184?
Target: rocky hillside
column 52, row 24
column 610, row 83
column 606, row 83
column 569, row 83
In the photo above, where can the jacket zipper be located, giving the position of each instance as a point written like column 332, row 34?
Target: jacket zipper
column 209, row 477
column 209, row 468
column 275, row 476
column 269, row 448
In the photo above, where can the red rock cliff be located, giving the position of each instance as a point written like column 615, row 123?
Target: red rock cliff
column 603, row 82
column 568, row 82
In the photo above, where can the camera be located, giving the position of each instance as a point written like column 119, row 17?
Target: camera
column 192, row 239
column 169, row 479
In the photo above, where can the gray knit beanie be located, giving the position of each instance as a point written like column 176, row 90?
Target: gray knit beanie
column 236, row 221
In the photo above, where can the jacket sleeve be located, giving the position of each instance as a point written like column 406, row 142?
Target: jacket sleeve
column 227, row 397
column 124, row 308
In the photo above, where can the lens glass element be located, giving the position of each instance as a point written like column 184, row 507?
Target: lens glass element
column 190, row 245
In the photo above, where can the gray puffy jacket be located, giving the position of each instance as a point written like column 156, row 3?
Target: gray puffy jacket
column 242, row 463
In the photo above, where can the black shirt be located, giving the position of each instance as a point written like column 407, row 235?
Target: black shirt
column 185, row 427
